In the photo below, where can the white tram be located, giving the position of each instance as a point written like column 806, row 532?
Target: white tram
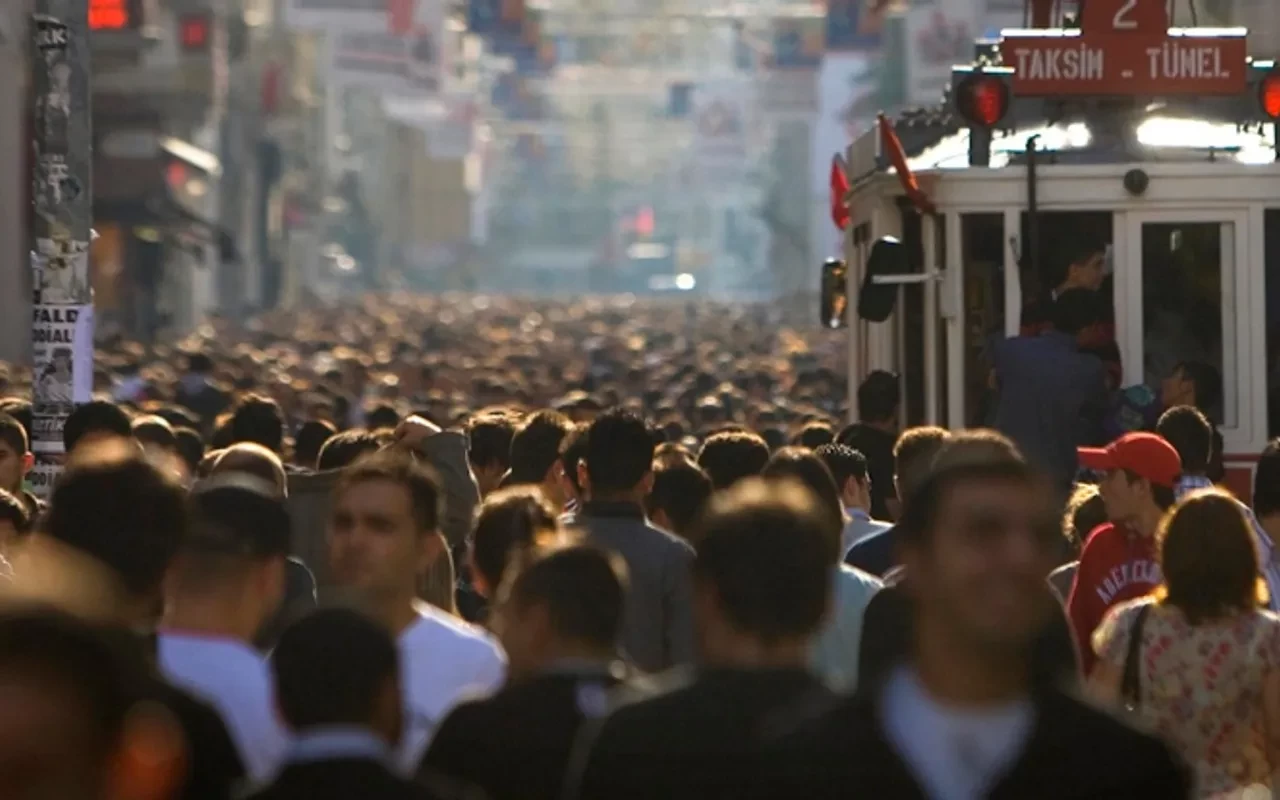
column 1160, row 142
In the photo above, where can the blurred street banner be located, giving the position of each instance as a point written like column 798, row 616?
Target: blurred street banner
column 940, row 34
column 721, row 128
column 846, row 108
column 380, row 60
column 853, row 25
column 61, row 180
column 1127, row 49
column 453, row 137
column 340, row 15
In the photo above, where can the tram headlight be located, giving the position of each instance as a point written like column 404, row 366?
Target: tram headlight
column 1269, row 94
column 983, row 100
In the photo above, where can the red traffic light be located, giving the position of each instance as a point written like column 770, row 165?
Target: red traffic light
column 194, row 32
column 1269, row 94
column 982, row 100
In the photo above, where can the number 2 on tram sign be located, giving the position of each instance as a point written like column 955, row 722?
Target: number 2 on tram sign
column 1124, row 48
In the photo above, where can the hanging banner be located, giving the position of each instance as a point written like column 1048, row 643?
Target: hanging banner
column 852, row 25
column 339, row 15
column 62, row 369
column 721, row 128
column 939, row 35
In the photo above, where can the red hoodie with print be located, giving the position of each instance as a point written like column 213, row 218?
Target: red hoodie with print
column 1115, row 565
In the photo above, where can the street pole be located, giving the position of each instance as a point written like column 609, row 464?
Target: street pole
column 61, row 181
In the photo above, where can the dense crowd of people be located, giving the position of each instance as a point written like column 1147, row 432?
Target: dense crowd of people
column 475, row 547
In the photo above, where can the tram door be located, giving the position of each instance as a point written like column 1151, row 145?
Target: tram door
column 1185, row 294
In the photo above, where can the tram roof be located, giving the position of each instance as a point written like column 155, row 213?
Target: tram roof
column 1160, row 139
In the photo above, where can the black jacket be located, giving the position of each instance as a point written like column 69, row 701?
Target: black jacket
column 516, row 744
column 702, row 740
column 886, row 641
column 1074, row 752
column 342, row 779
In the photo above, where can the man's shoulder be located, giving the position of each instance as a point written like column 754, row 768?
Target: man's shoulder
column 869, row 553
column 1101, row 536
column 435, row 628
column 1144, row 757
column 853, row 579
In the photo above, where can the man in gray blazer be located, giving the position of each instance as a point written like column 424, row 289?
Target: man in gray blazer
column 616, row 474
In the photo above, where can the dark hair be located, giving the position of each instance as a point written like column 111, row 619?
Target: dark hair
column 489, row 437
column 199, row 363
column 969, row 456
column 1206, row 379
column 155, row 430
column 506, row 522
column 106, row 677
column 535, row 446
column 1266, row 481
column 814, row 435
column 345, row 448
column 234, row 517
column 98, row 416
column 330, row 667
column 402, row 469
column 1163, row 496
column 179, row 417
column 619, row 452
column 190, row 446
column 878, row 396
column 223, row 433
column 20, row 409
column 253, row 459
column 680, row 490
column 766, row 549
column 124, row 512
column 15, row 512
column 1072, row 250
column 730, row 456
column 803, row 466
column 582, row 588
column 1208, row 558
column 913, row 456
column 13, row 434
column 844, row 462
column 259, row 420
column 572, row 450
column 310, row 438
column 1190, row 433
column 382, row 416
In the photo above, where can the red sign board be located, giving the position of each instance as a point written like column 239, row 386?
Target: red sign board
column 1127, row 65
column 1125, row 48
column 110, row 15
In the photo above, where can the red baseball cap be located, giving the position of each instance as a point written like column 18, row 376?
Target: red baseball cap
column 1144, row 454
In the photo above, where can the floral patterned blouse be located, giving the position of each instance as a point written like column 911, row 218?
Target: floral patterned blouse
column 1201, row 687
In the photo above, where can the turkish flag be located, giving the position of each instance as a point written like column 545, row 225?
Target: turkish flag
column 891, row 146
column 400, row 16
column 839, row 194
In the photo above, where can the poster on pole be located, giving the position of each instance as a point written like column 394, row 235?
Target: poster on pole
column 721, row 128
column 62, row 368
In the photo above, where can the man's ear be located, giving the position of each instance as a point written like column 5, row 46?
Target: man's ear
column 151, row 758
column 28, row 461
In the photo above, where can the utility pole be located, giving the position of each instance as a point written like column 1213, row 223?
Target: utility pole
column 61, row 181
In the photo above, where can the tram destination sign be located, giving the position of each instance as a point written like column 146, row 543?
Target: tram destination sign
column 1126, row 64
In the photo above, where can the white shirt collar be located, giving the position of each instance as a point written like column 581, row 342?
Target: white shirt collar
column 337, row 742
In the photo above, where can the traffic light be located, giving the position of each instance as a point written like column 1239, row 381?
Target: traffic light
column 194, row 32
column 1269, row 95
column 983, row 99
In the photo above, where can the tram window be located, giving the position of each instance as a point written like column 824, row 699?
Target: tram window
column 1271, row 266
column 983, row 242
column 1188, row 301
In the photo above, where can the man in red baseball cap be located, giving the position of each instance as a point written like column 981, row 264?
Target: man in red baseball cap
column 1118, row 562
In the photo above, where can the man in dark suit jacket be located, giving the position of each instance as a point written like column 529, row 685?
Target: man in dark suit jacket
column 559, row 623
column 963, row 711
column 762, row 586
column 337, row 677
column 912, row 455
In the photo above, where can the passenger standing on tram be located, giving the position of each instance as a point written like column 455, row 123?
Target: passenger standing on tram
column 1197, row 384
column 1051, row 395
column 879, row 401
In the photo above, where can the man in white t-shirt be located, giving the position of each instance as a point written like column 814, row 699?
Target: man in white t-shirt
column 383, row 535
column 227, row 580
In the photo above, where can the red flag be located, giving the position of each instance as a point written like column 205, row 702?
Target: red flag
column 400, row 16
column 839, row 194
column 892, row 147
